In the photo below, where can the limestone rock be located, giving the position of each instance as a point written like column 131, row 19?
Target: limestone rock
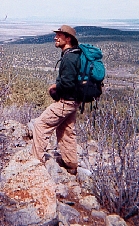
column 75, row 225
column 15, row 128
column 85, row 178
column 67, row 214
column 27, row 181
column 115, row 220
column 100, row 216
column 89, row 202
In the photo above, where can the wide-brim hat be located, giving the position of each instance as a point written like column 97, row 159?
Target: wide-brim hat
column 69, row 30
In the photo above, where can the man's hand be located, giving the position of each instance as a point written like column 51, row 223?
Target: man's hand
column 53, row 93
column 52, row 87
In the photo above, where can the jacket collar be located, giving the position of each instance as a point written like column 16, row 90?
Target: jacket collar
column 71, row 50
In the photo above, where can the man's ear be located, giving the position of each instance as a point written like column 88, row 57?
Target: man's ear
column 69, row 39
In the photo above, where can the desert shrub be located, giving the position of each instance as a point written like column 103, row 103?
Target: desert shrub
column 115, row 127
column 22, row 95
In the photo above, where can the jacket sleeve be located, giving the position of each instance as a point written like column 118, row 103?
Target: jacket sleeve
column 67, row 74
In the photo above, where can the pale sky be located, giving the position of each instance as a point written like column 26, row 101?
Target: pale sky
column 70, row 10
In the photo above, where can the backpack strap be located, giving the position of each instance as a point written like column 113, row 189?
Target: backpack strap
column 94, row 113
column 95, row 107
column 69, row 50
column 57, row 63
column 84, row 72
column 87, row 82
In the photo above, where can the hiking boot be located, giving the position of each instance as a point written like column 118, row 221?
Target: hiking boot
column 45, row 158
column 72, row 171
column 61, row 163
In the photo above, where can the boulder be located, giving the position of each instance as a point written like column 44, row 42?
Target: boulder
column 115, row 220
column 67, row 214
column 89, row 202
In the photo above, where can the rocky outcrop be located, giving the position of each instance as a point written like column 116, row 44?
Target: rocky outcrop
column 28, row 183
column 35, row 194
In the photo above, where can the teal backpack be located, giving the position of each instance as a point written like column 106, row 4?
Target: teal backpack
column 91, row 74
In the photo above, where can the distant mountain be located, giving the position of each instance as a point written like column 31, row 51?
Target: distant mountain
column 93, row 30
column 84, row 34
column 96, row 34
column 35, row 39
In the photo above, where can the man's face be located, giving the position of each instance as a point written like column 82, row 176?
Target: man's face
column 60, row 40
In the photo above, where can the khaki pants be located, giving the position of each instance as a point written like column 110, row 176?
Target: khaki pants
column 60, row 116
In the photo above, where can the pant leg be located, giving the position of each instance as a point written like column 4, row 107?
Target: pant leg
column 66, row 138
column 44, row 126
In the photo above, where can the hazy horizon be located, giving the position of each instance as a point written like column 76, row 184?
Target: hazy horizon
column 14, row 28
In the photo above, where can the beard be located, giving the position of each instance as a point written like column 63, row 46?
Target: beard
column 57, row 44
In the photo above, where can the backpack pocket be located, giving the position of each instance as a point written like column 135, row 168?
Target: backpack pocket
column 88, row 91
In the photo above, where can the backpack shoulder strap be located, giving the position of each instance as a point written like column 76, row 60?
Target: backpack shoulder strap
column 57, row 63
column 69, row 50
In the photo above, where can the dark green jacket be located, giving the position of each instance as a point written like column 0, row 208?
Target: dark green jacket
column 68, row 74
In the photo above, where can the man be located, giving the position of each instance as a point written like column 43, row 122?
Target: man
column 61, row 114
